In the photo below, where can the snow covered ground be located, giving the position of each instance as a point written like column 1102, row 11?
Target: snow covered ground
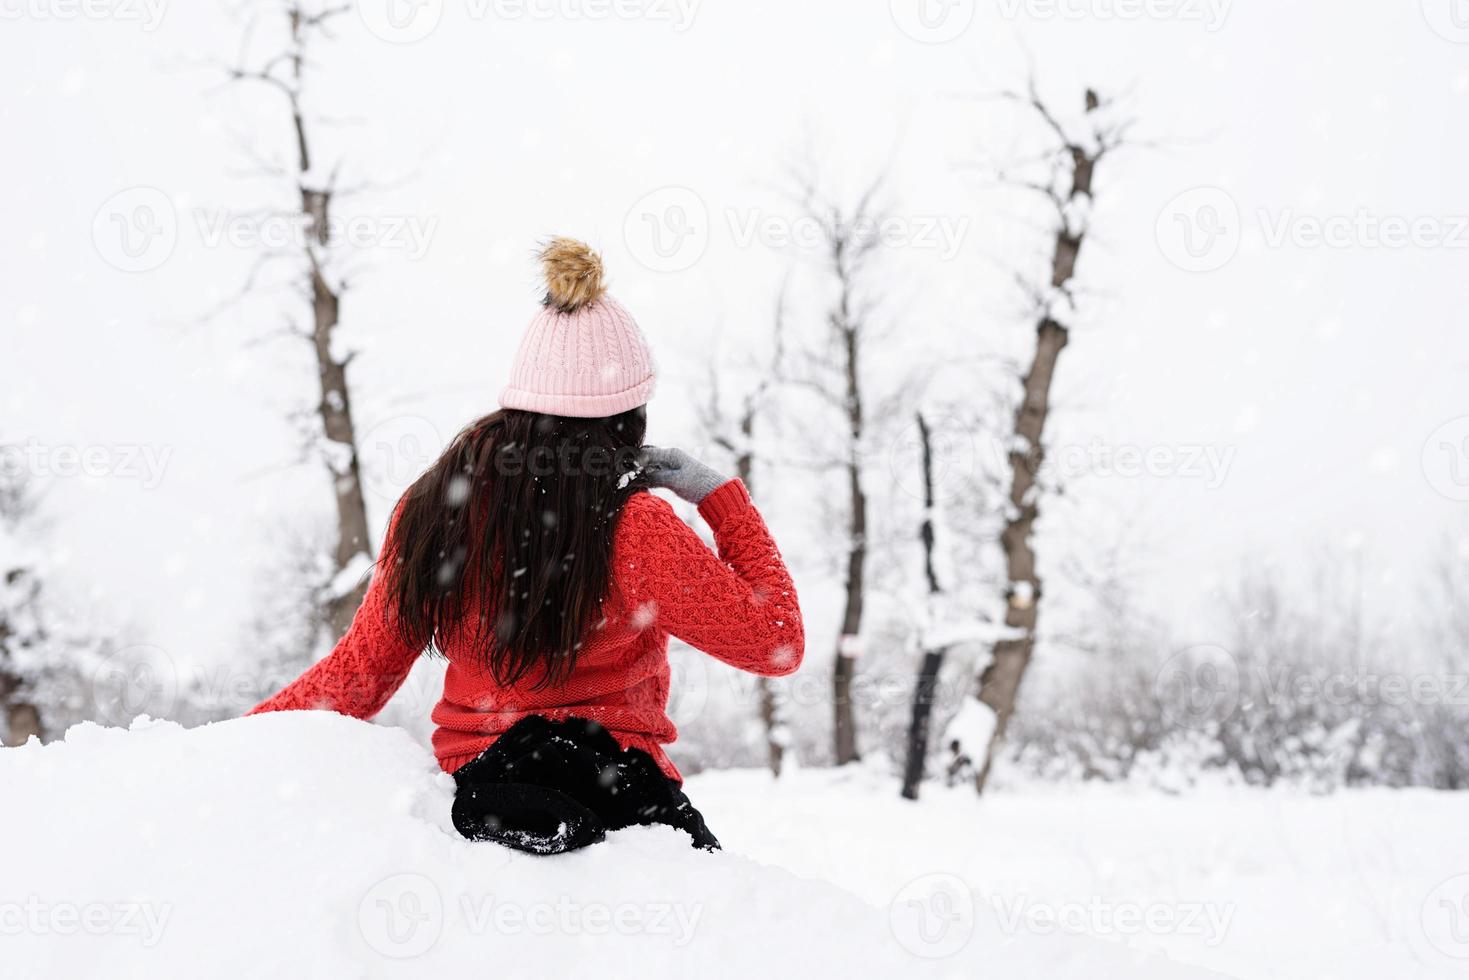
column 314, row 845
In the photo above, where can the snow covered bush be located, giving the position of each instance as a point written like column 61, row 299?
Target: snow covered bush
column 1297, row 694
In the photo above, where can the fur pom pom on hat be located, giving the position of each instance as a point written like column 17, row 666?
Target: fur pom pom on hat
column 582, row 355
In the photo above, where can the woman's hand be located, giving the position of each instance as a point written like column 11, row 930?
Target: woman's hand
column 681, row 473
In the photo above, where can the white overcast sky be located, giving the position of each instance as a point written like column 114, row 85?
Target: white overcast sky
column 1319, row 372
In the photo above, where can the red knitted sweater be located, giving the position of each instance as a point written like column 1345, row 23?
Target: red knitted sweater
column 739, row 607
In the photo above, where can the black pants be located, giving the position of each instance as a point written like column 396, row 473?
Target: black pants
column 551, row 786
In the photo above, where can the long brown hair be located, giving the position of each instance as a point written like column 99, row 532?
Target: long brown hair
column 506, row 541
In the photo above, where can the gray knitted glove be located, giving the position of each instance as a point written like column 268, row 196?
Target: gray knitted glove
column 681, row 473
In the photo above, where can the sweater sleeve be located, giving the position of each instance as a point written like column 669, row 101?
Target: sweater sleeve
column 363, row 671
column 739, row 606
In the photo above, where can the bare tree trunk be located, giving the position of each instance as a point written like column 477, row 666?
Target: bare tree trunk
column 933, row 657
column 334, row 409
column 999, row 683
column 838, row 384
column 22, row 716
column 847, row 644
column 741, row 444
column 769, row 703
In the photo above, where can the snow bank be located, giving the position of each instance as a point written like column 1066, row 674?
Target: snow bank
column 1257, row 884
column 307, row 844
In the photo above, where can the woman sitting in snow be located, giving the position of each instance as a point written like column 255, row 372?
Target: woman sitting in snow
column 532, row 557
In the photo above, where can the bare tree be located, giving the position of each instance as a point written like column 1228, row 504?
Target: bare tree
column 21, row 628
column 735, row 434
column 1070, row 163
column 286, row 72
column 19, row 631
column 933, row 654
column 834, row 373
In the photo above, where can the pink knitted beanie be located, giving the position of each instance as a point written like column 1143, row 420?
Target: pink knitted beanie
column 582, row 355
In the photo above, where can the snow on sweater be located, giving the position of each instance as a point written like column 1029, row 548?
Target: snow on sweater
column 739, row 606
